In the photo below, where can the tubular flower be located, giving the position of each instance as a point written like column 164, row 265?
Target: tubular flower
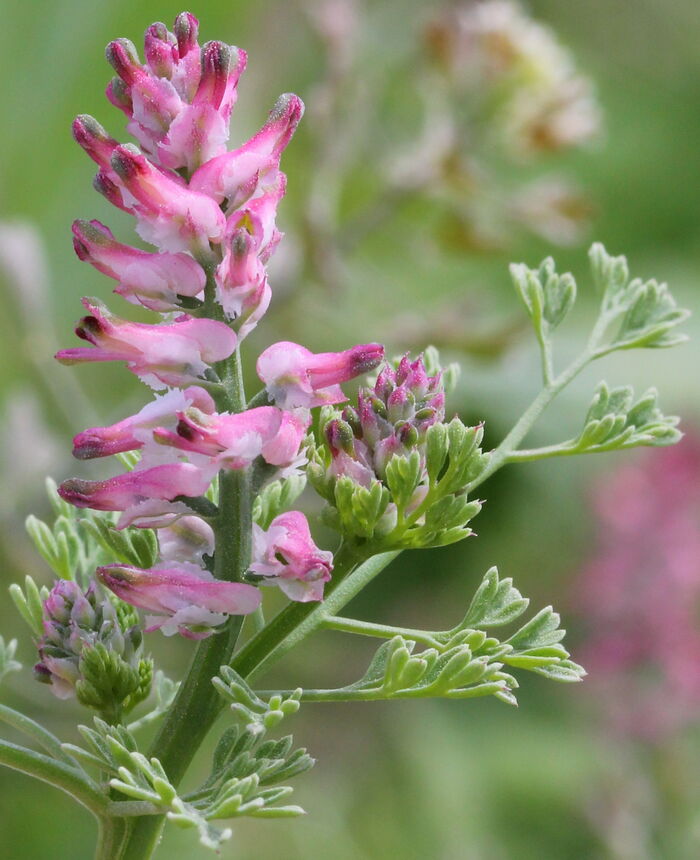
column 235, row 176
column 160, row 355
column 286, row 555
column 142, row 495
column 234, row 441
column 169, row 214
column 294, row 376
column 157, row 281
column 188, row 539
column 136, row 431
column 391, row 418
column 183, row 598
column 74, row 622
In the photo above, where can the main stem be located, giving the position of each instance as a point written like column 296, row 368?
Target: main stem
column 197, row 704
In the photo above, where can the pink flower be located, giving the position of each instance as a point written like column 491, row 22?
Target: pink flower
column 294, row 376
column 287, row 554
column 142, row 492
column 170, row 215
column 201, row 130
column 235, row 175
column 186, row 599
column 251, row 237
column 152, row 102
column 174, row 353
column 154, row 280
column 99, row 145
column 135, row 431
column 233, row 441
column 179, row 104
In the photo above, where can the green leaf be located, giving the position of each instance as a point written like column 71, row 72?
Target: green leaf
column 547, row 296
column 29, row 603
column 615, row 422
column 7, row 662
column 136, row 547
column 496, row 603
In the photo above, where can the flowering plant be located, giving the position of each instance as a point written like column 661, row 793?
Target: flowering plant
column 200, row 521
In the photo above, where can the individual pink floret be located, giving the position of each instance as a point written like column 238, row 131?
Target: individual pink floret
column 234, row 441
column 188, row 539
column 287, row 555
column 295, row 376
column 162, row 483
column 151, row 279
column 134, row 432
column 170, row 215
column 201, row 130
column 184, row 598
column 235, row 175
column 170, row 354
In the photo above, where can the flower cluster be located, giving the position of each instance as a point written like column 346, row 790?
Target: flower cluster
column 91, row 650
column 210, row 213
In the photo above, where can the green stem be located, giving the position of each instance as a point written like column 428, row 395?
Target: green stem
column 110, row 835
column 501, row 454
column 57, row 773
column 381, row 631
column 38, row 733
column 197, row 704
column 345, row 694
column 352, row 572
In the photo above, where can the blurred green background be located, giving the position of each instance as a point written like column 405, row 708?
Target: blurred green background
column 413, row 780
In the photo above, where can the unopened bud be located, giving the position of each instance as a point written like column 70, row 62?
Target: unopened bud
column 186, row 29
column 122, row 56
column 340, row 436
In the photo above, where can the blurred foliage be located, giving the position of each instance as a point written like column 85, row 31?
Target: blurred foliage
column 540, row 782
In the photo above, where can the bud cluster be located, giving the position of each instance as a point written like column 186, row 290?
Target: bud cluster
column 392, row 470
column 92, row 650
column 392, row 418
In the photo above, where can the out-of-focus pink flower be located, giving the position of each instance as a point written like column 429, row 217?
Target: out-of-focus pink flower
column 287, row 555
column 233, row 441
column 295, row 376
column 153, row 280
column 184, row 598
column 235, row 175
column 141, row 492
column 639, row 594
column 173, row 354
column 135, row 431
column 170, row 215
